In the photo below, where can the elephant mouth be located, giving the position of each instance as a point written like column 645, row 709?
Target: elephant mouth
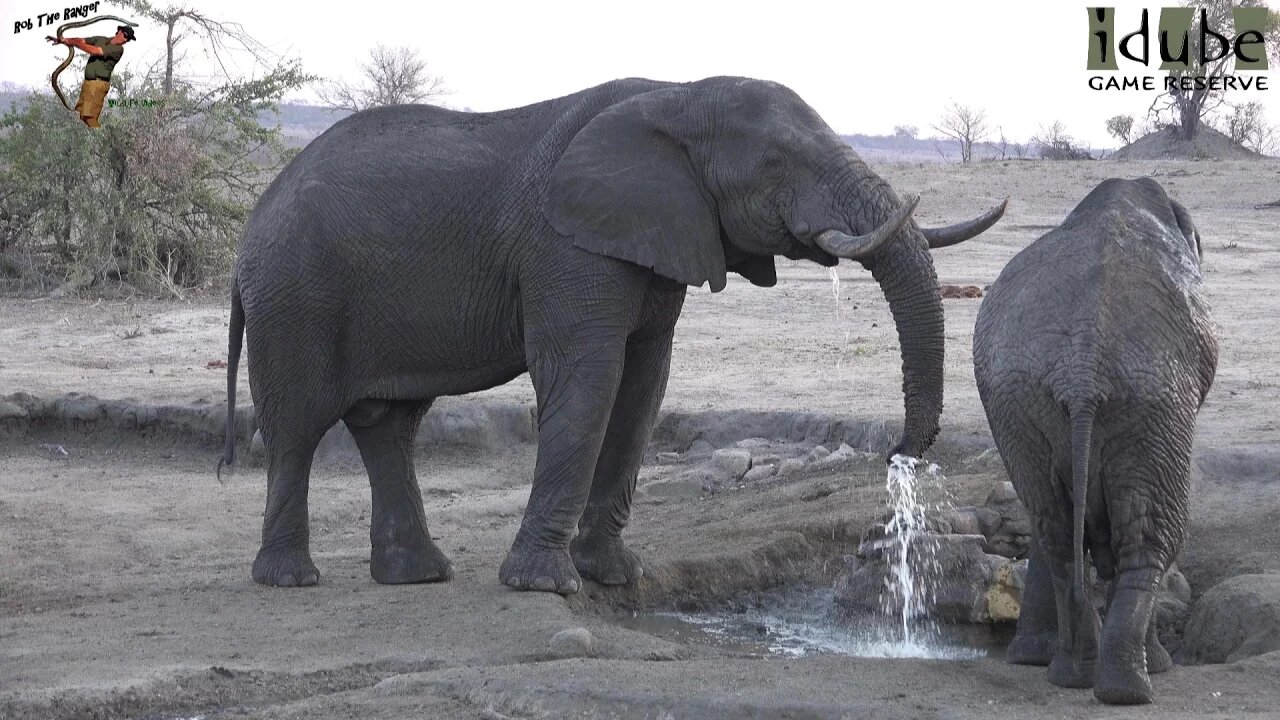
column 798, row 250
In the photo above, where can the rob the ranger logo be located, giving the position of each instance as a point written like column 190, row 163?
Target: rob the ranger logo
column 1188, row 55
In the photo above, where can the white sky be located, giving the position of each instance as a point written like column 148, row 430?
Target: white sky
column 865, row 66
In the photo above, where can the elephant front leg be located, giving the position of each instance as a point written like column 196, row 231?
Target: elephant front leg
column 598, row 550
column 574, row 404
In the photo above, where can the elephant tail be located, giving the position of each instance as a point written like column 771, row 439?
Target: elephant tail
column 1081, row 449
column 234, row 341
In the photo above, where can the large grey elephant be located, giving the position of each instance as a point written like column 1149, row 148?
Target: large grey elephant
column 1093, row 353
column 411, row 252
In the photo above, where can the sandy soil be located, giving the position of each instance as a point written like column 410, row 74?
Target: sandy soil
column 124, row 587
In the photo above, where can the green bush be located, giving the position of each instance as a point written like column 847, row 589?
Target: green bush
column 156, row 199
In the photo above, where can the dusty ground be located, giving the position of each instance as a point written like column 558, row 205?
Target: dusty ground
column 124, row 567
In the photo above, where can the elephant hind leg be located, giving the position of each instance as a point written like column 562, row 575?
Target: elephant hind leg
column 1147, row 487
column 285, row 556
column 401, row 549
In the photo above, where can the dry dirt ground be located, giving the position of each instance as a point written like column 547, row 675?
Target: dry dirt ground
column 124, row 566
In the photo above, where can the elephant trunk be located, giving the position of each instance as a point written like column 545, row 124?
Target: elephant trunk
column 904, row 270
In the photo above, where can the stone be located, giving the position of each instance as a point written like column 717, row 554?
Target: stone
column 1011, row 535
column 1001, row 492
column 790, row 466
column 1004, row 596
column 962, row 521
column 843, row 455
column 765, row 459
column 11, row 410
column 668, row 458
column 754, row 443
column 1235, row 619
column 699, row 448
column 679, row 487
column 760, row 472
column 816, row 453
column 574, row 642
column 734, row 461
column 962, row 573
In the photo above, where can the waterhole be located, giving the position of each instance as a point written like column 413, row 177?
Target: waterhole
column 805, row 621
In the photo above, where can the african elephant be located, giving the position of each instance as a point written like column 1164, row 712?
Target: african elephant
column 1093, row 353
column 411, row 252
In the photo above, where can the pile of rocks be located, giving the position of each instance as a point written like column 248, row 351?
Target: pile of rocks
column 709, row 470
column 974, row 561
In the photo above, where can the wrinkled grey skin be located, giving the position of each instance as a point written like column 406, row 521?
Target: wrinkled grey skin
column 1093, row 353
column 411, row 252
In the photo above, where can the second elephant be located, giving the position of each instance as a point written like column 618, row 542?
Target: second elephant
column 1093, row 353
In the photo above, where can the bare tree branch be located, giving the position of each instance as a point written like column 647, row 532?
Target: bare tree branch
column 965, row 125
column 392, row 76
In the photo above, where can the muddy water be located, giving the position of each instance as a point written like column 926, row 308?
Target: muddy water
column 804, row 622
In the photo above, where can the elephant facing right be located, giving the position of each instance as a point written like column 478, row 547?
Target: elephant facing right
column 1093, row 353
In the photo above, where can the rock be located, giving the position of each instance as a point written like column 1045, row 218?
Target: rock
column 1001, row 492
column 961, row 521
column 962, row 576
column 1004, row 596
column 700, row 447
column 988, row 459
column 988, row 520
column 790, row 466
column 816, row 453
column 678, row 487
column 1236, row 619
column 843, row 455
column 12, row 410
column 752, row 443
column 1011, row 536
column 736, row 462
column 574, row 642
column 760, row 472
column 765, row 459
column 1173, row 600
column 668, row 458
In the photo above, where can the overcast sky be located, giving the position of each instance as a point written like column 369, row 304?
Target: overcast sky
column 865, row 66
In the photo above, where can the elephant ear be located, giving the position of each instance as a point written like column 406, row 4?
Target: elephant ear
column 1188, row 228
column 625, row 188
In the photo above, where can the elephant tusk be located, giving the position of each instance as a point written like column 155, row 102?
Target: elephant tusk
column 853, row 247
column 958, row 233
column 71, row 52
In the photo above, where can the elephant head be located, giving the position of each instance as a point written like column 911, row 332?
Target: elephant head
column 722, row 175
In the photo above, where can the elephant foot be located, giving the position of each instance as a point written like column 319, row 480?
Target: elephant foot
column 1032, row 649
column 543, row 569
column 1064, row 673
column 419, row 563
column 1158, row 659
column 606, row 560
column 289, row 567
column 1123, row 686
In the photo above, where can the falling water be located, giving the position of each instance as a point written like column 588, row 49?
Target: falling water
column 835, row 291
column 906, row 588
